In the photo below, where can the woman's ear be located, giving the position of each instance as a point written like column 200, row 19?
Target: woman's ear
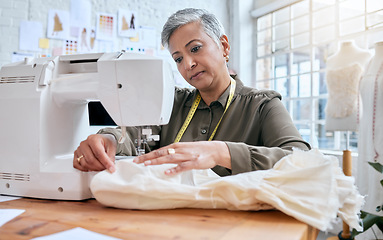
column 225, row 45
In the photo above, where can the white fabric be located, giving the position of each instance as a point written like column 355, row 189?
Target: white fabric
column 367, row 178
column 306, row 185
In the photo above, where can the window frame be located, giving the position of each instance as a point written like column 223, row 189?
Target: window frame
column 266, row 53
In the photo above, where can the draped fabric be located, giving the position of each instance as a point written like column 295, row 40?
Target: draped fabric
column 370, row 143
column 305, row 184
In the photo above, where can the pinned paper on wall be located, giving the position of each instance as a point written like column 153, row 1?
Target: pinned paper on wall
column 135, row 38
column 44, row 43
column 106, row 25
column 30, row 33
column 58, row 24
column 148, row 37
column 87, row 40
column 132, row 46
column 105, row 46
column 144, row 41
column 127, row 23
column 57, row 51
column 18, row 56
column 80, row 15
column 70, row 47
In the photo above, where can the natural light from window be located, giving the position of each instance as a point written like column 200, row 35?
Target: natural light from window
column 292, row 45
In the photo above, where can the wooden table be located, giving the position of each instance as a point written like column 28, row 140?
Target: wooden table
column 44, row 217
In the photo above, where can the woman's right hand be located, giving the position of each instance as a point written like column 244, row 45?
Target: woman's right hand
column 96, row 153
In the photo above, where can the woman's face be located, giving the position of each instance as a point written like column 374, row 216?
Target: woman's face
column 199, row 59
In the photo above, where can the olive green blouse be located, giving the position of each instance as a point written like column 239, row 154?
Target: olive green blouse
column 256, row 127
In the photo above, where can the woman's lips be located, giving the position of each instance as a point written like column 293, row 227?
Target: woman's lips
column 197, row 75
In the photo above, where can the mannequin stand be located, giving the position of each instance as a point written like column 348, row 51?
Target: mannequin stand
column 347, row 170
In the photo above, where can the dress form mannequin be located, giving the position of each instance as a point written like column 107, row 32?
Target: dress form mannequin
column 343, row 73
column 344, row 70
column 370, row 140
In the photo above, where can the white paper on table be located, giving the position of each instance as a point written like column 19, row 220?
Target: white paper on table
column 7, row 198
column 76, row 234
column 8, row 214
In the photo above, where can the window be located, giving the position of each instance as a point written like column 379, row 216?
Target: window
column 292, row 45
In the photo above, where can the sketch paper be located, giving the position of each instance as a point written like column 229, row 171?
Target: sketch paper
column 106, row 25
column 87, row 40
column 58, row 24
column 127, row 23
column 80, row 15
column 30, row 34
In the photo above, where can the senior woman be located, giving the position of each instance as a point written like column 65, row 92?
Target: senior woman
column 233, row 128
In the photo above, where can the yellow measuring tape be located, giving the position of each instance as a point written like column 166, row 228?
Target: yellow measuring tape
column 194, row 108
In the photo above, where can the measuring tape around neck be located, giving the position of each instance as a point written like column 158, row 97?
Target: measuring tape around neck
column 194, row 108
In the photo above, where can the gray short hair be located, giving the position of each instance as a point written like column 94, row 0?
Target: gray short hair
column 209, row 23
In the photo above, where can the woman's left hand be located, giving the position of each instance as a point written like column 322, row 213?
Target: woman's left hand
column 189, row 155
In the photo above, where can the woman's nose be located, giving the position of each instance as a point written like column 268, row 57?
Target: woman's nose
column 189, row 63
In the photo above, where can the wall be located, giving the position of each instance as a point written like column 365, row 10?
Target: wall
column 151, row 13
column 241, row 40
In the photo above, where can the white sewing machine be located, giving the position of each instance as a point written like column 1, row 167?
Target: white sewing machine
column 44, row 115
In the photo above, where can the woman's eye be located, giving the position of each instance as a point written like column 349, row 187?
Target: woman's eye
column 178, row 60
column 195, row 49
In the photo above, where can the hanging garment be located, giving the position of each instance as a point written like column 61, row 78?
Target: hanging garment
column 370, row 140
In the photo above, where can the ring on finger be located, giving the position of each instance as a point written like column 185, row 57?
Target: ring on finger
column 171, row 151
column 79, row 158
